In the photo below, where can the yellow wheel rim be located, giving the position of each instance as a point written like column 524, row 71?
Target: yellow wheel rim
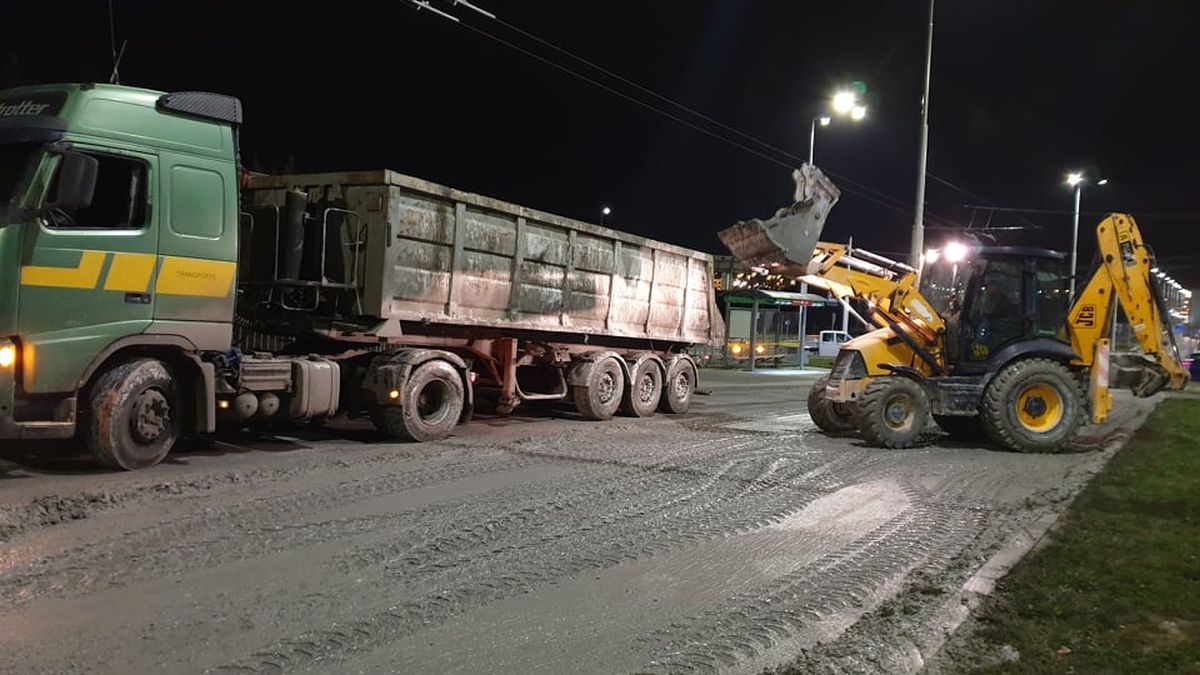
column 1039, row 407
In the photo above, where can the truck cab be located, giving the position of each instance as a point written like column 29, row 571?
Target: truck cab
column 118, row 245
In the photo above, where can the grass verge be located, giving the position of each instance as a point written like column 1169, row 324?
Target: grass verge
column 1117, row 587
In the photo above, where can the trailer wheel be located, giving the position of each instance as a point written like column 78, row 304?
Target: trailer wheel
column 430, row 405
column 829, row 417
column 678, row 387
column 134, row 415
column 645, row 390
column 1033, row 405
column 892, row 412
column 961, row 427
column 601, row 396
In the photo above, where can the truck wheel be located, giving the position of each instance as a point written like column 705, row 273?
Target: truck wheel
column 892, row 412
column 430, row 405
column 829, row 417
column 1033, row 405
column 601, row 396
column 960, row 427
column 134, row 415
column 645, row 390
column 678, row 387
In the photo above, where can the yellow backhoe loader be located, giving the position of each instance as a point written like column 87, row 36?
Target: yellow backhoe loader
column 985, row 340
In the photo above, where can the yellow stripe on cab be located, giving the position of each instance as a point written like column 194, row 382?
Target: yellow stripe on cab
column 84, row 275
column 130, row 272
column 195, row 277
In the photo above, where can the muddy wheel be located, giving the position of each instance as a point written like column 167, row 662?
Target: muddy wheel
column 430, row 405
column 892, row 412
column 600, row 397
column 1034, row 405
column 961, row 428
column 645, row 390
column 829, row 417
column 134, row 415
column 678, row 387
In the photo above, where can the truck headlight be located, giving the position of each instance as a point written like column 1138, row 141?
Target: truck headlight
column 8, row 355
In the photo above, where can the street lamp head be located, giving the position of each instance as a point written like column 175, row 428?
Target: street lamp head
column 858, row 112
column 844, row 101
column 824, row 121
column 1102, row 181
column 1074, row 178
column 606, row 211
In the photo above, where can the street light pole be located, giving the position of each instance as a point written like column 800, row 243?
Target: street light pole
column 1075, row 238
column 824, row 121
column 812, row 140
column 918, row 231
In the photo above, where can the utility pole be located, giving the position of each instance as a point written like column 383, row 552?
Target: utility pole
column 918, row 231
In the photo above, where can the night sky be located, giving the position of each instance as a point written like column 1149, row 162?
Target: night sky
column 1022, row 91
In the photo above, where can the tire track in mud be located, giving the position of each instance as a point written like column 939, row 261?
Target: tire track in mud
column 99, row 564
column 660, row 479
column 933, row 530
column 744, row 496
column 248, row 529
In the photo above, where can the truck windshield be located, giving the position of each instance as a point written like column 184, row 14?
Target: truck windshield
column 15, row 164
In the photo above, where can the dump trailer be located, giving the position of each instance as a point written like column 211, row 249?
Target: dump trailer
column 150, row 288
column 986, row 340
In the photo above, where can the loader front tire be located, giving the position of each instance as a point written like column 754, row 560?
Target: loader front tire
column 892, row 412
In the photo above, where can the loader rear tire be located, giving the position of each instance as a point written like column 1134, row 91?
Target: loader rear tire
column 832, row 418
column 892, row 412
column 1033, row 405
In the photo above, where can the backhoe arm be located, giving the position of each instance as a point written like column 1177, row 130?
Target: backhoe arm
column 1124, row 277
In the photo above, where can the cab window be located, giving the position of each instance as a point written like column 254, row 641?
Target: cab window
column 119, row 202
column 995, row 316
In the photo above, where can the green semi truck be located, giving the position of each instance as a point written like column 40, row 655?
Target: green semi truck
column 150, row 288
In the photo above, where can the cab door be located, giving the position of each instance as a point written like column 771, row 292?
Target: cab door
column 86, row 275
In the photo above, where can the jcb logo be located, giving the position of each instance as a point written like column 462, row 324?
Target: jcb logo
column 1087, row 316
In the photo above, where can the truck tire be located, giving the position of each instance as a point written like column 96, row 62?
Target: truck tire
column 134, row 415
column 1033, row 405
column 430, row 404
column 961, row 427
column 645, row 390
column 829, row 417
column 892, row 412
column 601, row 396
column 678, row 387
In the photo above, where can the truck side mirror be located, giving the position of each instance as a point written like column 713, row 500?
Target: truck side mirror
column 76, row 181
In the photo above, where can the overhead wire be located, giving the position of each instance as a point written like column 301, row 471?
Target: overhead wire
column 859, row 189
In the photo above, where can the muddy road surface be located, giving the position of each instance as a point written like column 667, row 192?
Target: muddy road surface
column 731, row 539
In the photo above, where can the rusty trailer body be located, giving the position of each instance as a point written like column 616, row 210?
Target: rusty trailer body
column 524, row 304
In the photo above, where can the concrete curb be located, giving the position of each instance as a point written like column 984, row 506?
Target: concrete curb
column 971, row 595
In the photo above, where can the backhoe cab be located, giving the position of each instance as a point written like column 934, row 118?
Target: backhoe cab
column 985, row 343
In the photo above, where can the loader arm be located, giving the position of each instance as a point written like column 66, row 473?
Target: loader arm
column 1124, row 277
column 788, row 243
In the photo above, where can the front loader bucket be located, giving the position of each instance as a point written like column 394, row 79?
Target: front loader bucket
column 789, row 237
